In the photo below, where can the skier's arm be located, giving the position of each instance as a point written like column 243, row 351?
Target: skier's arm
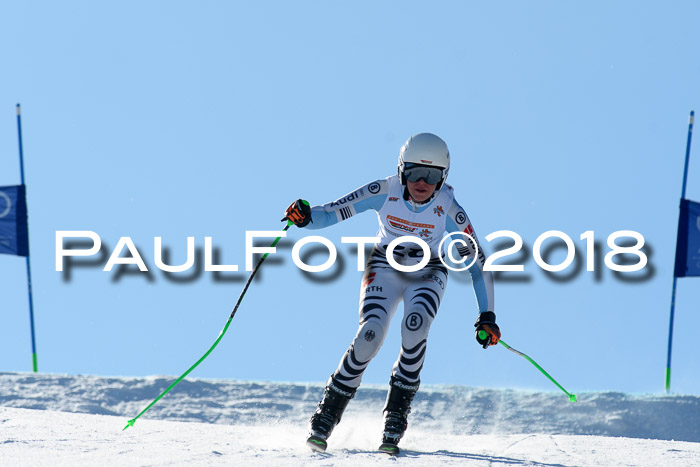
column 482, row 281
column 370, row 196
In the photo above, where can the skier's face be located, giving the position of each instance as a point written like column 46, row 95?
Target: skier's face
column 420, row 191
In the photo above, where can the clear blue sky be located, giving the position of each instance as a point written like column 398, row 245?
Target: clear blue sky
column 173, row 119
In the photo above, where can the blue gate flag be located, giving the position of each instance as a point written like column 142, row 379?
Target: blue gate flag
column 688, row 242
column 14, row 234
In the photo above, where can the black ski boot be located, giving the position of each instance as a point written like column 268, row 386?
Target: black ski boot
column 396, row 410
column 328, row 414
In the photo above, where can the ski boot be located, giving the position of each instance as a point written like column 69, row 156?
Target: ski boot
column 396, row 410
column 328, row 414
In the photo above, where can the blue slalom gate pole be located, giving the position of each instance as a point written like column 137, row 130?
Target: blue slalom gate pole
column 673, row 290
column 35, row 365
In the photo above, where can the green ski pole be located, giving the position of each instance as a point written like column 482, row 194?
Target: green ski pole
column 218, row 339
column 572, row 397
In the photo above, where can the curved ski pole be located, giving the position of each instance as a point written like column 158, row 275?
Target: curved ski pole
column 218, row 339
column 572, row 397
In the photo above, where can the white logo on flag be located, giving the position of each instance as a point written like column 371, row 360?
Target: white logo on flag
column 8, row 201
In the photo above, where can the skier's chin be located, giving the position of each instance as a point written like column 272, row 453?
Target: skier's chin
column 421, row 196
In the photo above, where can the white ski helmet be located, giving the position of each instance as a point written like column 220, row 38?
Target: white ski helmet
column 421, row 154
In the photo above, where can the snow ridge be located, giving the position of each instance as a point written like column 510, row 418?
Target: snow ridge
column 453, row 410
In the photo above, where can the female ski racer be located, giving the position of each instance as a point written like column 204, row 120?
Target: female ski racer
column 418, row 203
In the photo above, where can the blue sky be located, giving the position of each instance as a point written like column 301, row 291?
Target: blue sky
column 172, row 119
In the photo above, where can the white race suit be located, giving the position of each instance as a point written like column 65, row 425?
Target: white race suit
column 384, row 287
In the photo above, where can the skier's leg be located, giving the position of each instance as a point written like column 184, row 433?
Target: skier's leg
column 380, row 296
column 421, row 302
column 422, row 298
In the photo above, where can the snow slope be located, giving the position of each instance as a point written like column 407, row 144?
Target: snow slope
column 69, row 420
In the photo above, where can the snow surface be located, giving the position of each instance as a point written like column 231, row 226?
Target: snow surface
column 78, row 420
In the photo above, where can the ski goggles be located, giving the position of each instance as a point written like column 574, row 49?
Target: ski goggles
column 414, row 172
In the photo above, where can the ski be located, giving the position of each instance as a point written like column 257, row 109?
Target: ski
column 389, row 448
column 316, row 443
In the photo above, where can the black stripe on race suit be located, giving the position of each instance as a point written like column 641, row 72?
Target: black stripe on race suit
column 414, row 349
column 412, row 376
column 432, row 310
column 374, row 297
column 427, row 310
column 373, row 264
column 437, row 296
column 345, row 213
column 436, row 265
column 368, row 317
column 414, row 360
column 355, row 361
column 353, row 372
column 367, row 308
column 378, row 259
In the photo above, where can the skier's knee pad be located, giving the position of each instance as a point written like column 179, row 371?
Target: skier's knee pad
column 369, row 339
column 415, row 326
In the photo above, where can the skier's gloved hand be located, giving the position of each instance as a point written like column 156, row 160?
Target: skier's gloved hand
column 487, row 322
column 298, row 212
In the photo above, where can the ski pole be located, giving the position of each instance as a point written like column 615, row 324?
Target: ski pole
column 572, row 397
column 218, row 339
